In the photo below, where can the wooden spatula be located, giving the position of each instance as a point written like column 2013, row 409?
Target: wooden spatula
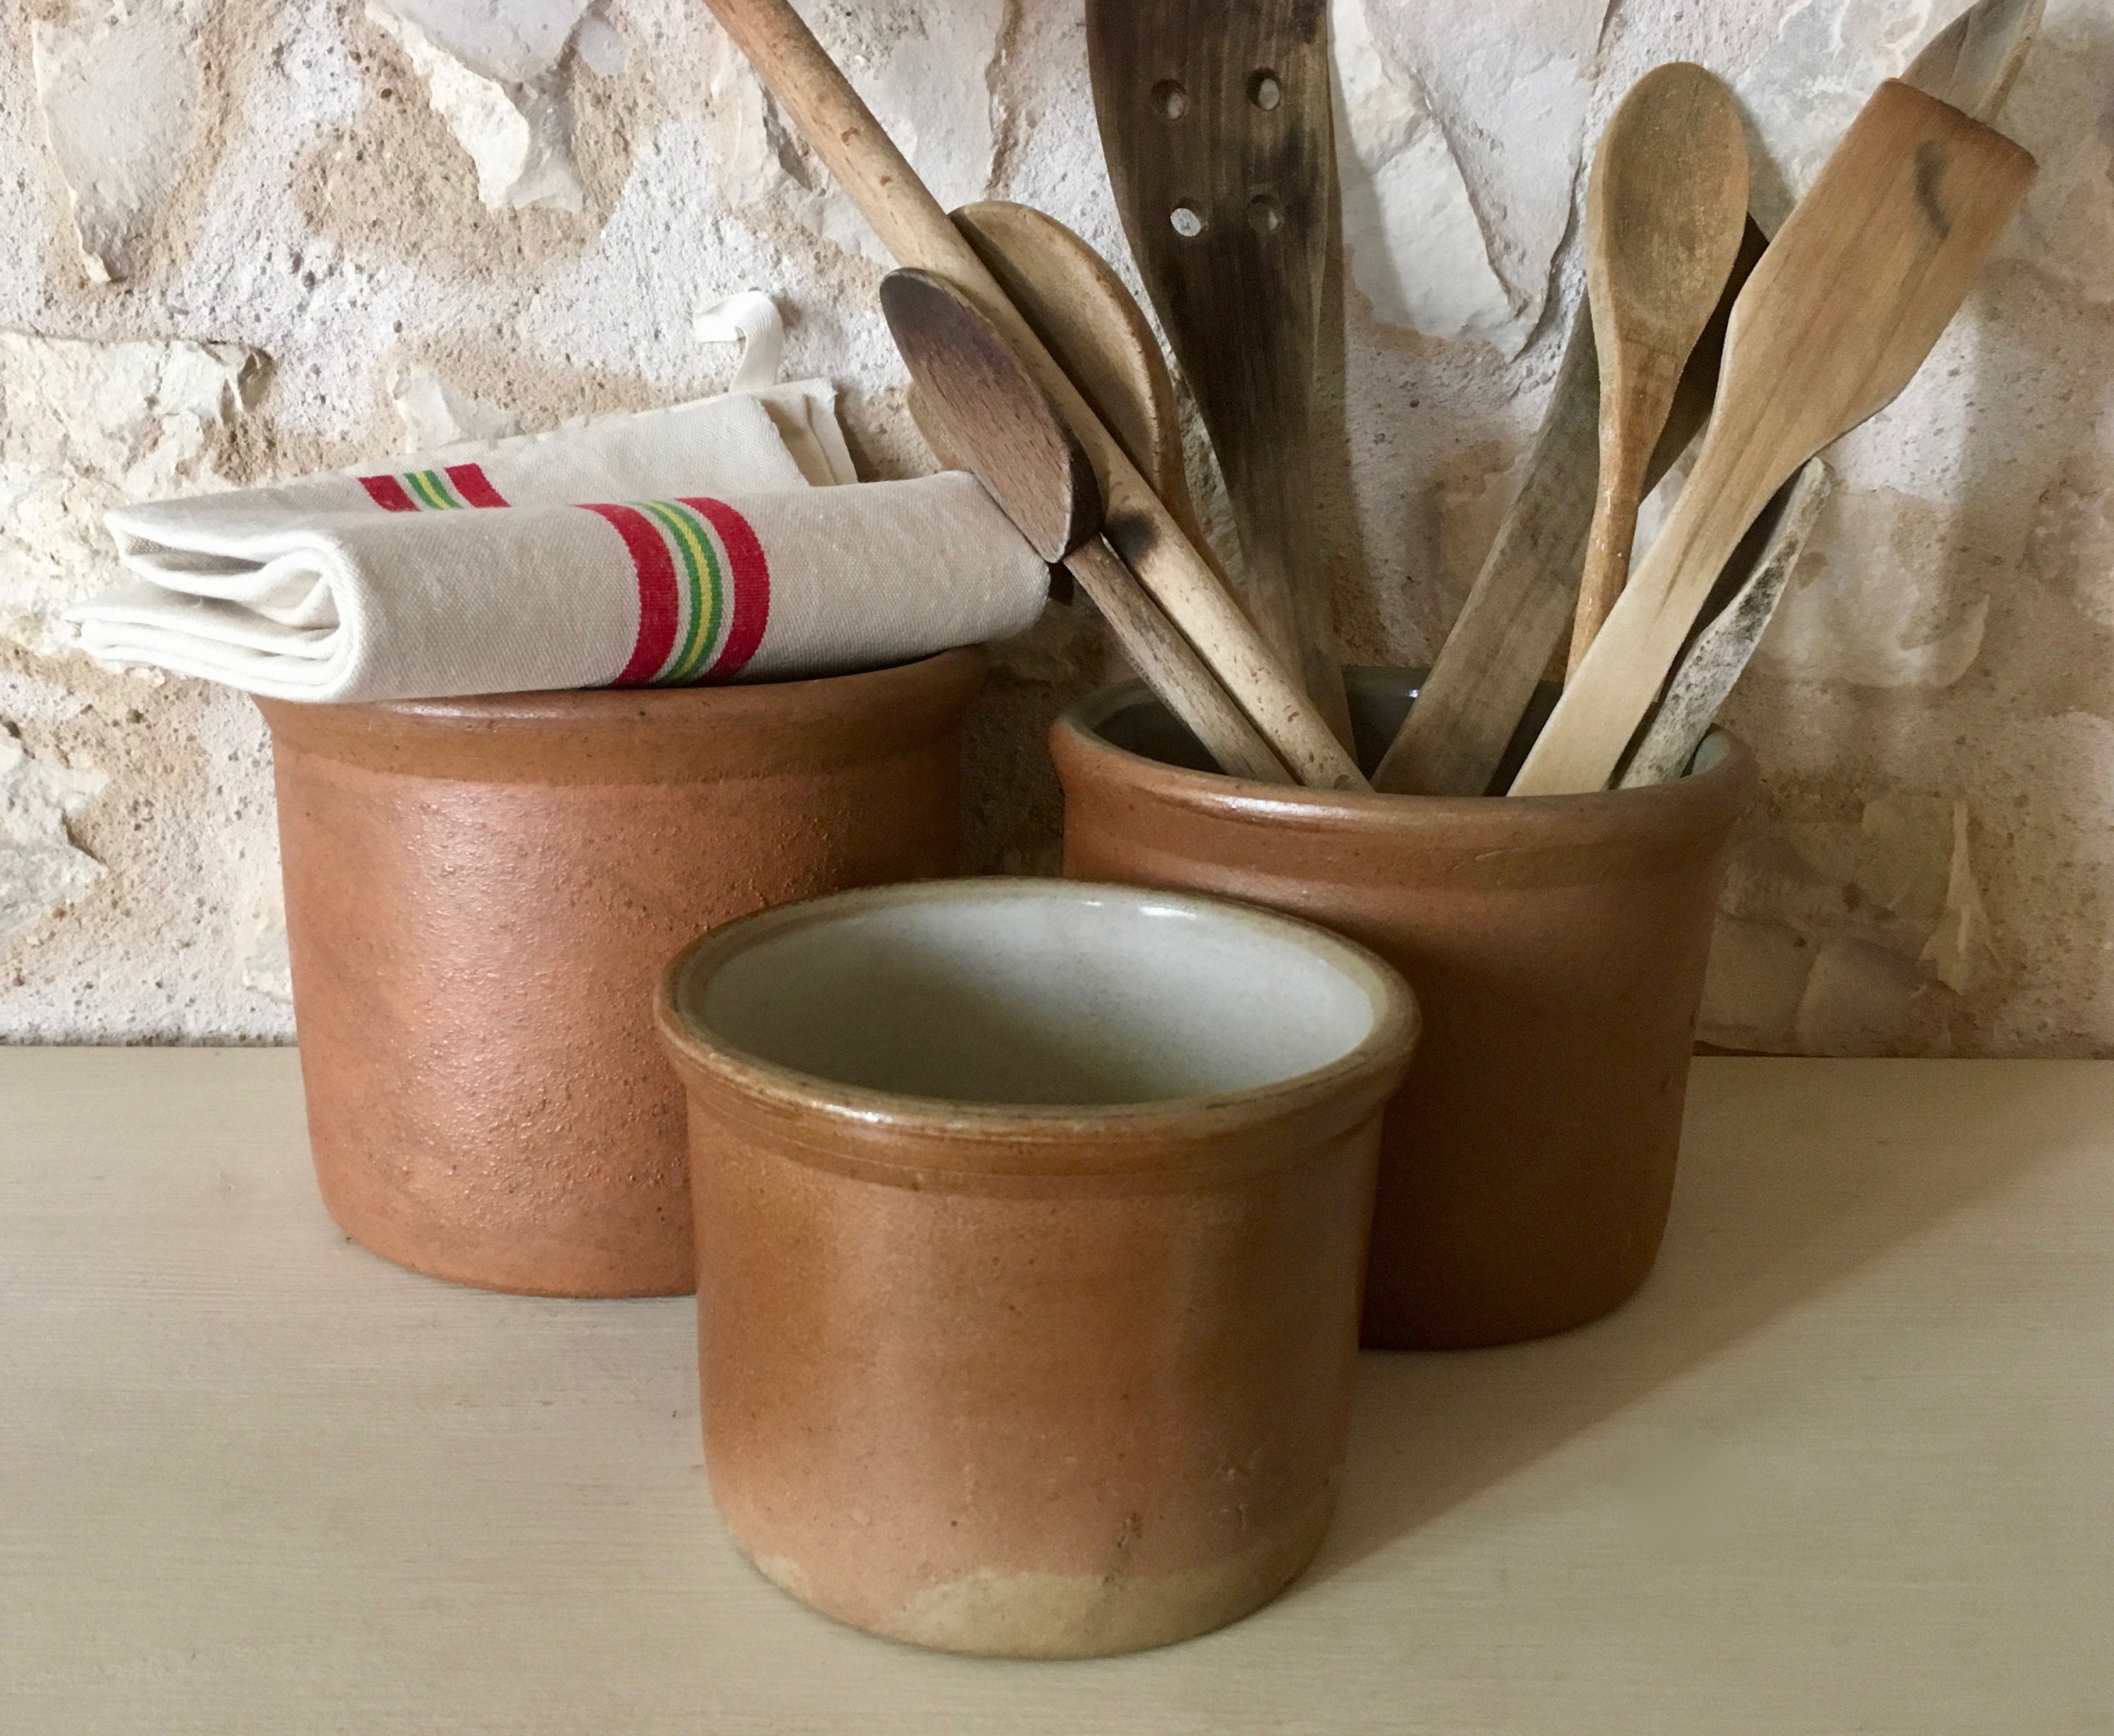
column 1215, row 117
column 1835, row 319
column 1665, row 208
column 988, row 410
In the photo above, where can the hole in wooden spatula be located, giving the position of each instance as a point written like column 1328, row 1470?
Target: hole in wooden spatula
column 1265, row 91
column 1265, row 214
column 1188, row 221
column 1170, row 99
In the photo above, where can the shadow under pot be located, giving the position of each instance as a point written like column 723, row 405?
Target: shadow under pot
column 481, row 894
column 1557, row 945
column 1031, row 1218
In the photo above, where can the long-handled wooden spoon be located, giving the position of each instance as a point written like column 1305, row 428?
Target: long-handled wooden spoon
column 1216, row 121
column 1665, row 208
column 1868, row 271
column 1098, row 334
column 814, row 91
column 990, row 412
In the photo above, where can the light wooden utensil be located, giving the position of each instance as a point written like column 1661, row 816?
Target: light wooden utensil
column 1217, row 125
column 1520, row 607
column 1848, row 300
column 1094, row 327
column 1486, row 672
column 1713, row 663
column 990, row 411
column 1972, row 62
column 1665, row 208
column 911, row 224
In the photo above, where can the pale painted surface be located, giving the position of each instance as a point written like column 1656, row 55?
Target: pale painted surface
column 301, row 234
column 1840, row 1466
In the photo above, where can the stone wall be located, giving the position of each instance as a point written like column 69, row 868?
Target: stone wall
column 247, row 238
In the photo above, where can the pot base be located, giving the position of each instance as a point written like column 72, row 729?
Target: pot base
column 1050, row 1616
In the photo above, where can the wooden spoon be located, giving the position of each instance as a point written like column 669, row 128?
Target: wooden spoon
column 1099, row 335
column 1218, row 129
column 820, row 102
column 988, row 410
column 1665, row 209
column 1867, row 272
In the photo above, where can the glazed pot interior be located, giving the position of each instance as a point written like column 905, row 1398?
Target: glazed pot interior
column 1041, row 994
column 1380, row 699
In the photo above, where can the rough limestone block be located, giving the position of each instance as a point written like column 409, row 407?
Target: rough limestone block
column 494, row 72
column 120, row 93
column 41, row 872
column 924, row 69
column 1460, row 128
column 85, row 426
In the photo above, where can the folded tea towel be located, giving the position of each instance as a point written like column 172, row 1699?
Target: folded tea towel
column 396, row 599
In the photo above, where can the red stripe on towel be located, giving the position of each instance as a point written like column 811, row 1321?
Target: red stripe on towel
column 474, row 485
column 660, row 605
column 751, row 574
column 388, row 494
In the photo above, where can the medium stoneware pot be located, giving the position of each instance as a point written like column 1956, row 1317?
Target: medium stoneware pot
column 1557, row 945
column 1031, row 1219
column 481, row 894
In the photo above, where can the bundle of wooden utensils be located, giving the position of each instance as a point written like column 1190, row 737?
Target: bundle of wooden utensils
column 1034, row 369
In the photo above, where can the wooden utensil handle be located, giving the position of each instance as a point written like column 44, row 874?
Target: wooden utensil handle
column 1170, row 667
column 1636, row 391
column 1582, row 743
column 1713, row 663
column 911, row 225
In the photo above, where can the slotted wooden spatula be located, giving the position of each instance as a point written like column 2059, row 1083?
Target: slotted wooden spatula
column 1215, row 117
column 1838, row 316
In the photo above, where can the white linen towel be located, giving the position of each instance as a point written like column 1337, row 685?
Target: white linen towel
column 715, row 542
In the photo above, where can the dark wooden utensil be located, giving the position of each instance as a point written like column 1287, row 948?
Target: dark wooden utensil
column 1215, row 117
column 1099, row 335
column 814, row 94
column 989, row 411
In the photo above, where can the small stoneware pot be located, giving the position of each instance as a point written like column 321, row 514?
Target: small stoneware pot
column 1031, row 1218
column 1557, row 945
column 481, row 894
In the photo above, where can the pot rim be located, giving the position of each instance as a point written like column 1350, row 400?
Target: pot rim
column 572, row 706
column 1043, row 1138
column 1723, row 788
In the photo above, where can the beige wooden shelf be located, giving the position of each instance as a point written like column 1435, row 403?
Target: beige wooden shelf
column 1847, row 1464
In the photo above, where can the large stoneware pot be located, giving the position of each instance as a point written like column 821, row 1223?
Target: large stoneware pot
column 1557, row 945
column 481, row 895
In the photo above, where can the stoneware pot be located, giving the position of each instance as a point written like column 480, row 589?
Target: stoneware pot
column 481, row 894
column 1557, row 945
column 1031, row 1218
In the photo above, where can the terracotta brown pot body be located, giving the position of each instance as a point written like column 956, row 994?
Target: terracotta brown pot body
column 1051, row 1378
column 1557, row 945
column 481, row 895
